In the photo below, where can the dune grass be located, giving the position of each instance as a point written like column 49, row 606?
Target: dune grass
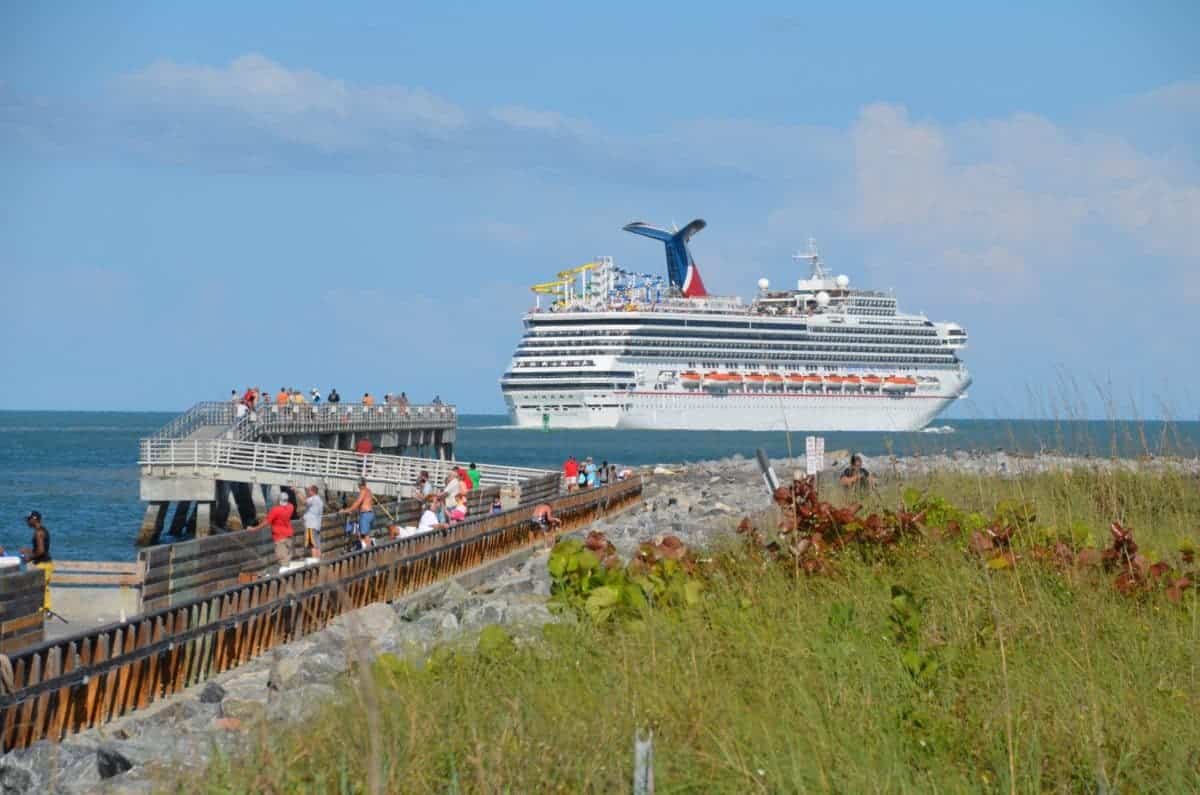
column 1043, row 680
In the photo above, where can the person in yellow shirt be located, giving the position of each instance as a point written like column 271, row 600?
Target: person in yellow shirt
column 297, row 398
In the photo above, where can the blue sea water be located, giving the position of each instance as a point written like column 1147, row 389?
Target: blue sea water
column 80, row 468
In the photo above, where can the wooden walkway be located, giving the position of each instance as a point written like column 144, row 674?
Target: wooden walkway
column 74, row 683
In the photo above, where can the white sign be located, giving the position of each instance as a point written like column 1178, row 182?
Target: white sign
column 814, row 454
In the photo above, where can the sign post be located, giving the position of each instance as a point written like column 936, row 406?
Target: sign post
column 814, row 454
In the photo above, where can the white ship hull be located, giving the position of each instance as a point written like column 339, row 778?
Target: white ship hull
column 702, row 411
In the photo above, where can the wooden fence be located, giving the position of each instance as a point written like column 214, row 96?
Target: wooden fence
column 21, row 594
column 176, row 573
column 82, row 681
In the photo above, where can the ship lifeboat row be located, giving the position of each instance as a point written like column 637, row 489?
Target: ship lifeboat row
column 794, row 382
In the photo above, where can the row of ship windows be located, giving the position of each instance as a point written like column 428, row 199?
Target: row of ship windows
column 791, row 334
column 763, row 345
column 913, row 332
column 752, row 358
column 759, row 350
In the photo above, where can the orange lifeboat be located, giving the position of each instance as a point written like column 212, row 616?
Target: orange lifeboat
column 851, row 383
column 871, row 383
column 733, row 380
column 714, row 380
column 774, row 381
column 755, row 380
column 795, row 381
column 813, row 383
column 898, row 384
column 690, row 379
column 833, row 383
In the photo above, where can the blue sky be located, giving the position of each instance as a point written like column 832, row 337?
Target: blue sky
column 198, row 198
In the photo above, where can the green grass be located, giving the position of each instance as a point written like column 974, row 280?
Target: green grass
column 1045, row 681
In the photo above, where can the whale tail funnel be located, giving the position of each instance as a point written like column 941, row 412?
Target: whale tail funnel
column 681, row 268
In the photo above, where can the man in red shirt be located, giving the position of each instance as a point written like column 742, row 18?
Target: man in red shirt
column 571, row 472
column 280, row 519
column 249, row 398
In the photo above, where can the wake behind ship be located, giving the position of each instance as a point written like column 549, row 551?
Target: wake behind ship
column 618, row 349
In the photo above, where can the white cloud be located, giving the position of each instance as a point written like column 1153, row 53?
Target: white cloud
column 1020, row 197
column 296, row 105
column 550, row 121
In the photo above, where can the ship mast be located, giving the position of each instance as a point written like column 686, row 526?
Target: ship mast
column 814, row 259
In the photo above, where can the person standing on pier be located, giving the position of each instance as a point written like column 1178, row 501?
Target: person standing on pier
column 280, row 520
column 473, row 474
column 365, row 505
column 281, row 397
column 571, row 472
column 249, row 397
column 314, row 506
column 367, row 399
column 334, row 397
column 38, row 552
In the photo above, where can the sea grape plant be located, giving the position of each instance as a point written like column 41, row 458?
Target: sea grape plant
column 589, row 578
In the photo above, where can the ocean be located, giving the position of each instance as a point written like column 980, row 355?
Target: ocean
column 80, row 468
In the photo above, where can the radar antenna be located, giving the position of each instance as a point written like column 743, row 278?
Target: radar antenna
column 814, row 259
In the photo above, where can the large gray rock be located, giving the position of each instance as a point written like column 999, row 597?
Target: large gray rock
column 490, row 612
column 51, row 768
column 246, row 696
column 300, row 703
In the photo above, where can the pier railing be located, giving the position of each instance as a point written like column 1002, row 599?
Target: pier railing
column 225, row 459
column 75, row 683
column 220, row 413
column 308, row 418
column 300, row 418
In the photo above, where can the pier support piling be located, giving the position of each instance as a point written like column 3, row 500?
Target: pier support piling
column 180, row 520
column 152, row 523
column 203, row 519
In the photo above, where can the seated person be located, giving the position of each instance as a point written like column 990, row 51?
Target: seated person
column 459, row 512
column 856, row 476
column 429, row 517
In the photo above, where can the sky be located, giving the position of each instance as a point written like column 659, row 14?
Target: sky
column 197, row 198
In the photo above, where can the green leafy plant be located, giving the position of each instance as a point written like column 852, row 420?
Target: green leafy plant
column 588, row 578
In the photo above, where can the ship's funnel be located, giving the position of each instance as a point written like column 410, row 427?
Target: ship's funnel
column 681, row 268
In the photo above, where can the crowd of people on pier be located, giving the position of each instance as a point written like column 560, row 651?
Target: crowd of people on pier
column 586, row 474
column 255, row 398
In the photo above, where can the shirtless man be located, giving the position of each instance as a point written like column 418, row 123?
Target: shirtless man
column 365, row 505
column 545, row 518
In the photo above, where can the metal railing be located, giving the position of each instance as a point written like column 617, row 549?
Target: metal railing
column 273, row 418
column 302, row 418
column 225, row 457
column 203, row 414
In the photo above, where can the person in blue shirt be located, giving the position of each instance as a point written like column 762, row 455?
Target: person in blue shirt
column 590, row 468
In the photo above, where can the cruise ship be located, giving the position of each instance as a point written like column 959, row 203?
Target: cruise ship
column 610, row 348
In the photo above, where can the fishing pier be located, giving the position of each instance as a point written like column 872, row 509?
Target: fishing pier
column 216, row 465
